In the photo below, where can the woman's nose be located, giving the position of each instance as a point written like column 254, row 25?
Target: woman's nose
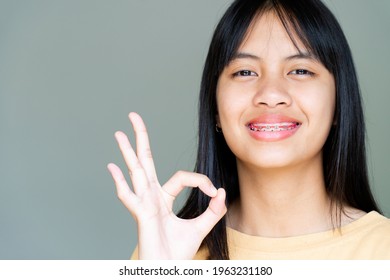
column 272, row 92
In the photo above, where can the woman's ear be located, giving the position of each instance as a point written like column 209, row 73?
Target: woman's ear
column 218, row 128
column 217, row 120
column 335, row 118
column 334, row 121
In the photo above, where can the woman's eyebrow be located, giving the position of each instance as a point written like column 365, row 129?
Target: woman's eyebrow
column 242, row 55
column 301, row 55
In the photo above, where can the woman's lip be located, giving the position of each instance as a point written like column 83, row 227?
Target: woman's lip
column 271, row 128
column 272, row 119
column 271, row 135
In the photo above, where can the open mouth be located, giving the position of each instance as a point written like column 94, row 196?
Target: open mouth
column 273, row 127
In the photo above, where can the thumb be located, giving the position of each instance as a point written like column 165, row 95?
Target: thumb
column 216, row 210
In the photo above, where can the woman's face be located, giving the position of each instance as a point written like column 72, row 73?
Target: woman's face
column 275, row 104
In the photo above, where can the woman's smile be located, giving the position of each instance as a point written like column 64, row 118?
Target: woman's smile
column 272, row 127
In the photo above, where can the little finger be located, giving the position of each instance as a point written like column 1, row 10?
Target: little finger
column 124, row 193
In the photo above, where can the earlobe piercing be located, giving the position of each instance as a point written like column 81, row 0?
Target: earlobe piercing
column 218, row 129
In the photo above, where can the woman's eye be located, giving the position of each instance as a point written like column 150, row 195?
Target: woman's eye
column 244, row 73
column 301, row 72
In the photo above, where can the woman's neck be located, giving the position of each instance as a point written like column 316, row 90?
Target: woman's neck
column 281, row 202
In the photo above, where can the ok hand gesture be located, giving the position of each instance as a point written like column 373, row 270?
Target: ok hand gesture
column 161, row 234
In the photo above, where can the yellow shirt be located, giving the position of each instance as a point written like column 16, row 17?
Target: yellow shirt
column 365, row 238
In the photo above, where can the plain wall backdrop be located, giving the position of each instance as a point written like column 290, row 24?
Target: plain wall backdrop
column 71, row 71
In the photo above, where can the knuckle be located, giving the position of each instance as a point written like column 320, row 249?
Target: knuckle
column 147, row 153
column 205, row 179
column 121, row 195
column 180, row 173
column 153, row 181
column 142, row 130
column 136, row 167
column 120, row 180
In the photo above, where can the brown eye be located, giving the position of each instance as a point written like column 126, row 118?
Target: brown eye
column 301, row 72
column 244, row 73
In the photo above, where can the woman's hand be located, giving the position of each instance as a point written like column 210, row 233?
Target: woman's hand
column 161, row 234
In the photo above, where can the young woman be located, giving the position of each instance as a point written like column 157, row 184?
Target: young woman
column 281, row 169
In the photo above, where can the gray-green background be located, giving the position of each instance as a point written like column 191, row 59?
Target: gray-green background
column 70, row 71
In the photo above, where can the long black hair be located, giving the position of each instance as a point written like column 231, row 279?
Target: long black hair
column 344, row 155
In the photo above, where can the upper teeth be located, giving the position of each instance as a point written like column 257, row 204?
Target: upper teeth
column 273, row 127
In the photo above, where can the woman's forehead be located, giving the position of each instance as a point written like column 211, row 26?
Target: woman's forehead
column 268, row 33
